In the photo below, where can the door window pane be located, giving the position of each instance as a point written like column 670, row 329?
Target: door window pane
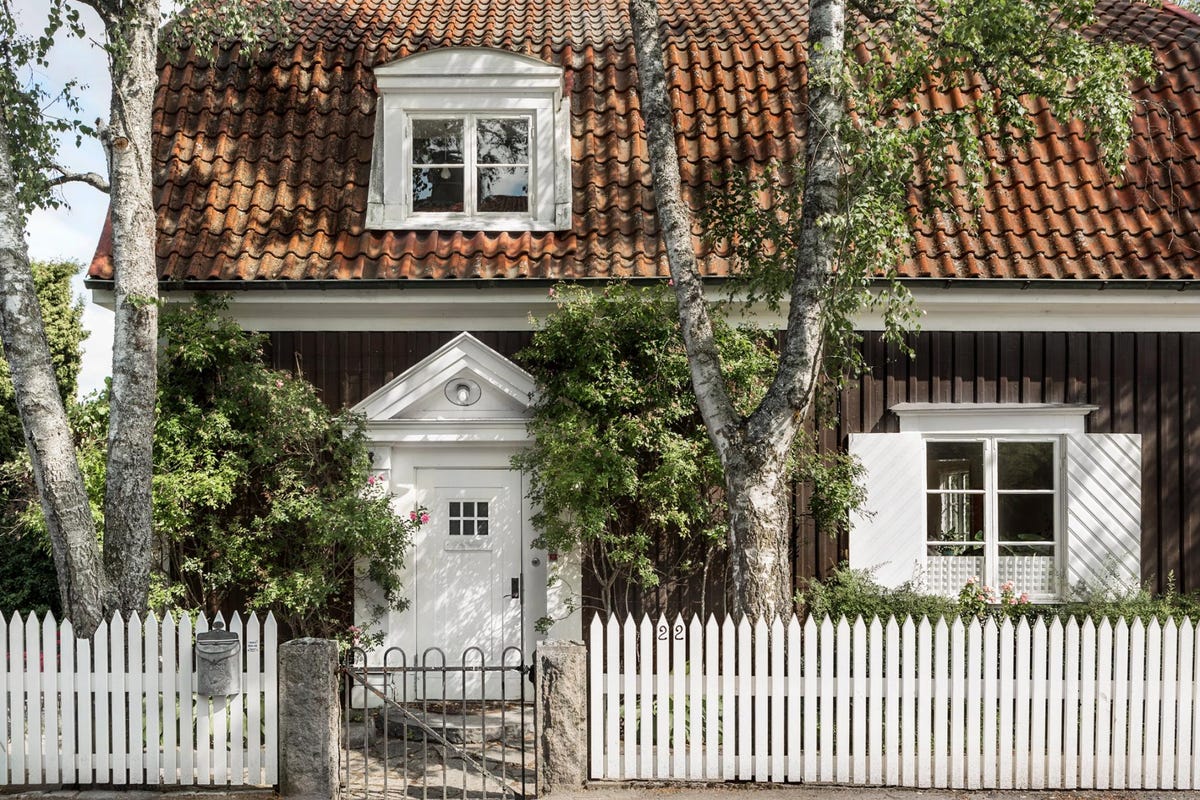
column 954, row 465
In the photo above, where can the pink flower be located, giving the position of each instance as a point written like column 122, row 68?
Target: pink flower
column 1007, row 586
column 424, row 518
column 551, row 293
column 1024, row 597
column 982, row 596
column 371, row 480
column 1012, row 601
column 278, row 384
column 670, row 282
column 971, row 581
column 412, row 515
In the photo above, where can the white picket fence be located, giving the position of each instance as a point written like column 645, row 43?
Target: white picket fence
column 120, row 708
column 907, row 703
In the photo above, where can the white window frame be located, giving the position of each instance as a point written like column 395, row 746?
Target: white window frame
column 991, row 507
column 470, row 166
column 459, row 82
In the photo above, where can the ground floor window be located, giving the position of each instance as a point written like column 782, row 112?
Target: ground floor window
column 992, row 513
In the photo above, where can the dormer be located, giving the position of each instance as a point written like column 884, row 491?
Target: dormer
column 470, row 139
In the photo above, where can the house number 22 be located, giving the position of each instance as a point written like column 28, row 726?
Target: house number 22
column 664, row 633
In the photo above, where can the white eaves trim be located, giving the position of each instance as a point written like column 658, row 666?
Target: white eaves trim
column 992, row 418
column 508, row 308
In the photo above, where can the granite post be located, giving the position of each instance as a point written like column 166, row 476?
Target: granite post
column 309, row 719
column 562, row 739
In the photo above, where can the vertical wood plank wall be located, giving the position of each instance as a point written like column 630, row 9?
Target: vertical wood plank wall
column 1147, row 383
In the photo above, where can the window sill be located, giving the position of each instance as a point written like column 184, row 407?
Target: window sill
column 390, row 218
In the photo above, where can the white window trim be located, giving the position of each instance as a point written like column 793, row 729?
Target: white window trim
column 992, row 419
column 458, row 82
column 991, row 506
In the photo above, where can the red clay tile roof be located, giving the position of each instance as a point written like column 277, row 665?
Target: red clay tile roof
column 262, row 175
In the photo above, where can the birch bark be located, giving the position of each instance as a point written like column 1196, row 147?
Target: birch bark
column 132, row 29
column 754, row 449
column 48, row 438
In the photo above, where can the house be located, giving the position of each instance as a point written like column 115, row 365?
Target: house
column 391, row 196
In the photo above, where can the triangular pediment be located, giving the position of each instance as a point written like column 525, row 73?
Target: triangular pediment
column 463, row 379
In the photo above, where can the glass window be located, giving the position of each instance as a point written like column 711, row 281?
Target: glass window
column 468, row 518
column 471, row 165
column 991, row 513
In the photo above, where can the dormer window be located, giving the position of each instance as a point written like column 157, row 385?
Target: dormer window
column 470, row 140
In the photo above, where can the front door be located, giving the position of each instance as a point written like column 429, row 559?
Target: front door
column 469, row 591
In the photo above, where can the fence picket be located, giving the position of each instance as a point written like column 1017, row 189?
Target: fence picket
column 1104, row 688
column 1055, row 659
column 760, row 692
column 237, row 748
column 908, row 710
column 1120, row 704
column 892, row 715
column 1154, row 637
column 629, row 691
column 744, row 714
column 777, row 698
column 1183, row 750
column 678, row 698
column 695, row 706
column 7, row 667
column 1087, row 705
column 1021, row 684
column 958, row 679
column 69, row 747
column 810, row 653
column 858, row 725
column 974, row 709
column 875, row 703
column 827, row 699
column 102, row 746
column 170, row 702
column 795, row 701
column 924, row 668
column 1170, row 654
column 49, row 744
column 941, row 704
column 203, row 723
column 271, row 711
column 1037, row 714
column 219, row 728
column 1137, row 688
column 646, row 698
column 187, row 704
column 728, row 701
column 596, row 696
column 33, row 701
column 841, row 729
column 991, row 690
column 662, row 698
column 135, row 743
column 1005, row 725
column 1071, row 706
column 712, row 708
column 612, row 704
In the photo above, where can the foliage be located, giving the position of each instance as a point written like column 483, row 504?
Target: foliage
column 27, row 579
column 621, row 459
column 210, row 24
column 262, row 496
column 852, row 593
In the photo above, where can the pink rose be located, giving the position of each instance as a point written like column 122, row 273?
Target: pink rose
column 424, row 518
column 278, row 384
column 1024, row 597
column 412, row 515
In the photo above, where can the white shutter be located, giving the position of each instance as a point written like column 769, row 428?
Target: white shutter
column 1104, row 511
column 888, row 538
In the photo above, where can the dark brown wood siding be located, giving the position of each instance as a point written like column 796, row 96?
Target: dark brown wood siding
column 1147, row 383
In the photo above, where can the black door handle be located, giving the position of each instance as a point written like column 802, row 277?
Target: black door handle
column 516, row 589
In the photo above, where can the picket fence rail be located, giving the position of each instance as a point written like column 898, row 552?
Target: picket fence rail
column 898, row 703
column 120, row 709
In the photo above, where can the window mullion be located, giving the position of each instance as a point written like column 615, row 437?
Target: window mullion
column 991, row 516
column 469, row 176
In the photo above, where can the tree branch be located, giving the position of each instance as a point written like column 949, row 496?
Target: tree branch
column 93, row 179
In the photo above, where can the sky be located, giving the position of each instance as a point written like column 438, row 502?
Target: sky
column 71, row 232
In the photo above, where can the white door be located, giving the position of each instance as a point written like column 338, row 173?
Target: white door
column 469, row 586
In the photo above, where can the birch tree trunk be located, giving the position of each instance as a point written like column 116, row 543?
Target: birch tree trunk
column 48, row 438
column 132, row 29
column 753, row 450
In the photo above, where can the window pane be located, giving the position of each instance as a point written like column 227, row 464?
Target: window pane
column 481, row 509
column 468, row 509
column 454, row 510
column 438, row 189
column 955, row 517
column 468, row 527
column 1026, row 465
column 954, row 465
column 481, row 527
column 503, row 189
column 502, row 141
column 454, row 527
column 437, row 141
column 1026, row 518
